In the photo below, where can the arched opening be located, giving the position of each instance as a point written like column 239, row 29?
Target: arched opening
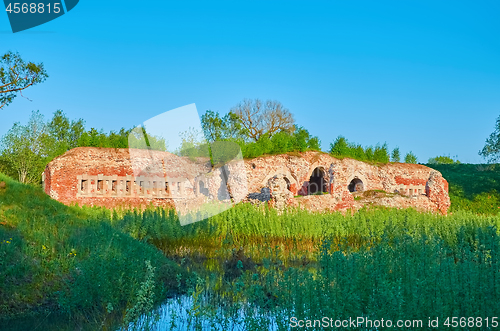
column 317, row 182
column 288, row 185
column 356, row 185
column 203, row 190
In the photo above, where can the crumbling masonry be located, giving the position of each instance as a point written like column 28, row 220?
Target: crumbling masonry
column 316, row 181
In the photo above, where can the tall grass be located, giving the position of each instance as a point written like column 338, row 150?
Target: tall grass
column 59, row 259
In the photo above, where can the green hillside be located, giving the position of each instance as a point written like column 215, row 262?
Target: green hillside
column 473, row 187
column 59, row 259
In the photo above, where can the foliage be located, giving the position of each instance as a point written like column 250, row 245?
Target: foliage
column 260, row 119
column 193, row 144
column 442, row 160
column 342, row 148
column 411, row 158
column 282, row 142
column 140, row 139
column 16, row 75
column 491, row 149
column 392, row 263
column 271, row 131
column 66, row 133
column 27, row 148
column 217, row 128
column 70, row 260
column 472, row 187
column 270, row 264
column 396, row 156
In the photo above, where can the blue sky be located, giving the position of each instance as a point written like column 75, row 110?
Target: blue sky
column 421, row 75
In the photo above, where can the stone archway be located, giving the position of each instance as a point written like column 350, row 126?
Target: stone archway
column 291, row 181
column 356, row 185
column 317, row 181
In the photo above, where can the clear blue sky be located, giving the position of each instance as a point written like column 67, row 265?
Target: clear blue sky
column 421, row 75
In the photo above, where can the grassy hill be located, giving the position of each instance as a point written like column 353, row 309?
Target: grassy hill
column 59, row 259
column 473, row 187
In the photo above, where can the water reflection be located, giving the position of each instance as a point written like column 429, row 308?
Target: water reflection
column 184, row 314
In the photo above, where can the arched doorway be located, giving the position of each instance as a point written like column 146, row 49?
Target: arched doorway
column 356, row 185
column 202, row 189
column 317, row 182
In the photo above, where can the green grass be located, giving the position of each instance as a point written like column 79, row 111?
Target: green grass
column 472, row 187
column 392, row 264
column 59, row 259
column 91, row 262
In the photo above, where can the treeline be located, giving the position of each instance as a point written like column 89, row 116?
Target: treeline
column 257, row 128
column 342, row 148
column 27, row 149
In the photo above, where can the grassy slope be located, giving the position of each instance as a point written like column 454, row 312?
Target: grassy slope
column 473, row 187
column 64, row 259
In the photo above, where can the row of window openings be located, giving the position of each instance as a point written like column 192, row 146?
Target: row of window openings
column 114, row 183
column 412, row 191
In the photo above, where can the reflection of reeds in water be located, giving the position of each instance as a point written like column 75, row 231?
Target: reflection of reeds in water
column 257, row 269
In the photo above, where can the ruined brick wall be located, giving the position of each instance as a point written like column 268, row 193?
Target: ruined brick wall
column 416, row 185
column 123, row 177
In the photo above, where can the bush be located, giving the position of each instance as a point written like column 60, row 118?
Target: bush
column 442, row 160
column 411, row 158
column 282, row 142
column 342, row 148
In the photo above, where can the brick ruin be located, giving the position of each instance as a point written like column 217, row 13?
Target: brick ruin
column 316, row 181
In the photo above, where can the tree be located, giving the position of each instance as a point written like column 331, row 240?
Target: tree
column 411, row 158
column 26, row 149
column 65, row 132
column 137, row 138
column 260, row 119
column 442, row 160
column 16, row 76
column 216, row 128
column 491, row 149
column 193, row 144
column 396, row 156
column 381, row 153
column 340, row 148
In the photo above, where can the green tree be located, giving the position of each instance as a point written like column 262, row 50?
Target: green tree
column 65, row 132
column 442, row 160
column 26, row 149
column 381, row 153
column 140, row 139
column 16, row 75
column 491, row 149
column 396, row 156
column 216, row 128
column 193, row 144
column 411, row 158
column 340, row 147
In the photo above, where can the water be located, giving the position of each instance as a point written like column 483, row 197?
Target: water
column 184, row 314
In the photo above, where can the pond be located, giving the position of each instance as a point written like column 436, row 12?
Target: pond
column 183, row 313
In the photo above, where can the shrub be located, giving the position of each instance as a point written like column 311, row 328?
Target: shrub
column 442, row 160
column 341, row 148
column 411, row 158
